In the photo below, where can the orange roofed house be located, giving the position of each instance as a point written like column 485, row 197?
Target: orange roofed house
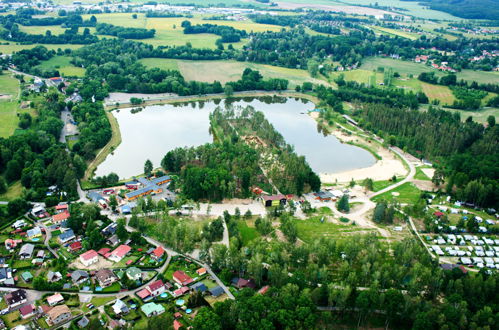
column 181, row 278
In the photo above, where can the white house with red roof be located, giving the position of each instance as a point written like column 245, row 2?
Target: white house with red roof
column 60, row 217
column 119, row 253
column 89, row 257
column 152, row 290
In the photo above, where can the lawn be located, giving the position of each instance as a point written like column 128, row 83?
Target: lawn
column 247, row 233
column 8, row 84
column 115, row 287
column 378, row 185
column 406, row 193
column 224, row 71
column 361, row 76
column 8, row 118
column 420, row 175
column 313, row 229
column 13, row 192
column 63, row 65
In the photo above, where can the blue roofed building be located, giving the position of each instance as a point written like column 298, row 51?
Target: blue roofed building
column 199, row 286
column 217, row 291
column 66, row 236
column 148, row 187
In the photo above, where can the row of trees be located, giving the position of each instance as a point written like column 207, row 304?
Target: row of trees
column 124, row 32
column 227, row 33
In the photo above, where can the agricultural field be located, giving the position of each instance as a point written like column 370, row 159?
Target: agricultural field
column 395, row 32
column 224, row 71
column 479, row 116
column 16, row 47
column 9, row 90
column 170, row 33
column 62, row 63
column 408, row 67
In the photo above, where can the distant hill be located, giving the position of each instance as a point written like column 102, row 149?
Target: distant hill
column 473, row 9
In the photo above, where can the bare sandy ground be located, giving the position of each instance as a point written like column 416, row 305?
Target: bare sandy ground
column 429, row 172
column 125, row 97
column 383, row 169
column 378, row 13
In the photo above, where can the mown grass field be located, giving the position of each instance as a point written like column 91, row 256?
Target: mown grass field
column 247, row 233
column 395, row 32
column 62, row 63
column 14, row 190
column 312, row 229
column 9, row 88
column 479, row 116
column 15, row 47
column 406, row 193
column 224, row 71
column 170, row 33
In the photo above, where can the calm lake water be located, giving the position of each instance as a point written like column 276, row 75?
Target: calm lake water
column 152, row 132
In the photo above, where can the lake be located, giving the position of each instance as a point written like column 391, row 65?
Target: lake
column 152, row 132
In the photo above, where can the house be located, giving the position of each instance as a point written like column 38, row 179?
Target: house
column 19, row 224
column 201, row 271
column 180, row 292
column 79, row 276
column 264, row 289
column 11, row 244
column 119, row 253
column 110, row 229
column 67, row 236
column 148, row 187
column 152, row 290
column 26, row 251
column 58, row 314
column 54, row 276
column 104, row 251
column 119, row 307
column 5, row 274
column 243, row 283
column 38, row 211
column 56, row 80
column 105, row 277
column 133, row 273
column 113, row 240
column 40, row 254
column 27, row 311
column 83, row 322
column 88, row 258
column 60, row 217
column 75, row 98
column 157, row 253
column 55, row 299
column 76, row 246
column 177, row 325
column 324, row 196
column 216, row 291
column 16, row 298
column 274, row 200
column 151, row 309
column 95, row 197
column 26, row 276
column 34, row 232
column 62, row 207
column 200, row 287
column 181, row 278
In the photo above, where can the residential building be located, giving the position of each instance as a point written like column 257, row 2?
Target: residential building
column 152, row 309
column 26, row 251
column 34, row 232
column 157, row 253
column 152, row 290
column 54, row 276
column 5, row 274
column 181, row 278
column 88, row 258
column 60, row 217
column 177, row 325
column 67, row 236
column 119, row 307
column 76, row 246
column 79, row 276
column 55, row 299
column 16, row 298
column 83, row 322
column 27, row 276
column 201, row 271
column 113, row 240
column 274, row 200
column 133, row 273
column 216, row 291
column 200, row 287
column 27, row 311
column 105, row 277
column 58, row 314
column 119, row 253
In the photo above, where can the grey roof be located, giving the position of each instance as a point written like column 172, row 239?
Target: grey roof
column 3, row 273
column 217, row 291
column 27, row 249
column 95, row 196
column 83, row 322
column 77, row 275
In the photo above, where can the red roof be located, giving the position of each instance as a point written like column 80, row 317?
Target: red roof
column 182, row 277
column 61, row 216
column 89, row 255
column 181, row 291
column 121, row 250
column 61, row 207
column 158, row 252
column 438, row 214
column 144, row 293
column 27, row 309
column 177, row 325
column 103, row 251
column 155, row 285
column 75, row 246
column 264, row 290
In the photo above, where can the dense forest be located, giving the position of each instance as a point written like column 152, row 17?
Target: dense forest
column 124, row 32
column 467, row 152
column 474, row 9
column 70, row 36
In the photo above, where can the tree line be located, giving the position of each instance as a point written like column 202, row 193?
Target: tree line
column 227, row 33
column 124, row 32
